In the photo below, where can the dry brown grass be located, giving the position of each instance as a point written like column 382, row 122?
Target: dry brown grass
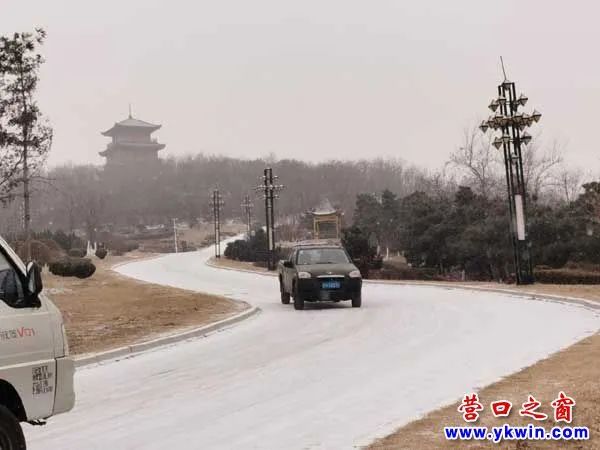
column 196, row 237
column 109, row 310
column 198, row 234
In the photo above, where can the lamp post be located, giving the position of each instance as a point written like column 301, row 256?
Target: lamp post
column 270, row 190
column 511, row 125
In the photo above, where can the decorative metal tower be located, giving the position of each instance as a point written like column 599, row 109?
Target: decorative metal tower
column 511, row 125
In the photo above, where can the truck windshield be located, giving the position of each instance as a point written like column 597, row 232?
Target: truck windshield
column 322, row 256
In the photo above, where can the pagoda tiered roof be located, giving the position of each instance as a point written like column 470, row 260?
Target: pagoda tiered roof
column 130, row 122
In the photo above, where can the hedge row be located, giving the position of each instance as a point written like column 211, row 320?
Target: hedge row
column 567, row 276
column 42, row 251
column 77, row 252
column 73, row 267
column 548, row 276
column 404, row 273
column 119, row 247
column 252, row 250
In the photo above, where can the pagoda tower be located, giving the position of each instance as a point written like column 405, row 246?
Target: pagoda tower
column 132, row 144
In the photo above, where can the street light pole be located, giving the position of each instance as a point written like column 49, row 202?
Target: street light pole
column 270, row 189
column 217, row 203
column 511, row 124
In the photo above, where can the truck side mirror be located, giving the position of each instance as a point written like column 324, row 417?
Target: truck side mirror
column 34, row 279
column 288, row 264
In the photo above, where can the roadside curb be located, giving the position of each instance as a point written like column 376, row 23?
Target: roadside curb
column 523, row 294
column 210, row 263
column 142, row 347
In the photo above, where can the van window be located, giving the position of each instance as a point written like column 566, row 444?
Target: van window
column 11, row 288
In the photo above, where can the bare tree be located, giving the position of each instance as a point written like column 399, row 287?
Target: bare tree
column 84, row 197
column 568, row 182
column 539, row 165
column 478, row 161
column 440, row 184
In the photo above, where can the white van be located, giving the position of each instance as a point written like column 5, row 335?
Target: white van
column 36, row 374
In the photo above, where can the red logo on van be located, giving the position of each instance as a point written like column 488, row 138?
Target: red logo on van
column 16, row 333
column 26, row 332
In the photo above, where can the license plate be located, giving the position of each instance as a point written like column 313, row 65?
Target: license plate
column 331, row 285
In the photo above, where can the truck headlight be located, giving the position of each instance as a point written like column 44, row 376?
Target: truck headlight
column 304, row 275
column 354, row 274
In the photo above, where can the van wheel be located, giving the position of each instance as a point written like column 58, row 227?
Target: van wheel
column 285, row 296
column 357, row 300
column 298, row 300
column 11, row 434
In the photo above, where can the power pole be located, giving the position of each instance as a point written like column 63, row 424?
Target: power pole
column 270, row 189
column 175, row 234
column 247, row 206
column 217, row 203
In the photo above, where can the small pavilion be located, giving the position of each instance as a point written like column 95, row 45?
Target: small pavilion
column 327, row 221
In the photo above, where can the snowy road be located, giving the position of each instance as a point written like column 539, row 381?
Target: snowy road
column 325, row 378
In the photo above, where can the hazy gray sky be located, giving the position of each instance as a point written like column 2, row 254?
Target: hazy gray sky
column 311, row 79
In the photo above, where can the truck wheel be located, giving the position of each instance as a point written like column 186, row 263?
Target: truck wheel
column 11, row 434
column 298, row 300
column 357, row 300
column 285, row 296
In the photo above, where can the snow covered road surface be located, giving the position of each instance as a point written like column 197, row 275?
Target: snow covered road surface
column 329, row 377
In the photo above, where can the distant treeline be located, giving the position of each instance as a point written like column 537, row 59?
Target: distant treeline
column 88, row 197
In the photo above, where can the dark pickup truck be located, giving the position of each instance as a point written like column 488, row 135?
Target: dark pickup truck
column 316, row 272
